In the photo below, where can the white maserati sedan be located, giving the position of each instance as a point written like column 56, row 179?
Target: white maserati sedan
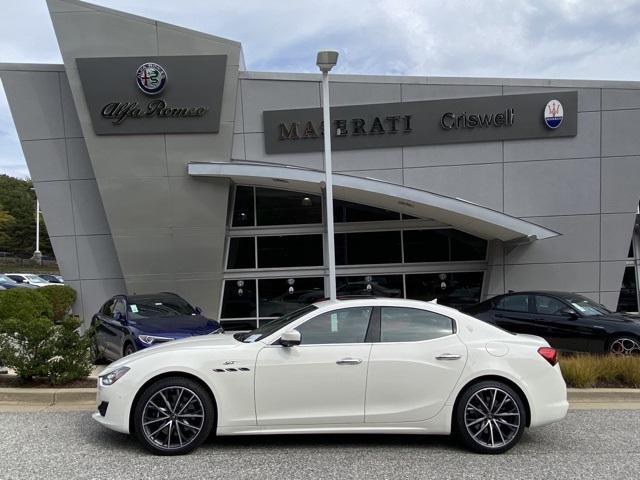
column 346, row 366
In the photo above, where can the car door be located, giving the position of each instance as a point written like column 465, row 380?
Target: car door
column 515, row 314
column 320, row 381
column 561, row 330
column 114, row 329
column 102, row 328
column 414, row 367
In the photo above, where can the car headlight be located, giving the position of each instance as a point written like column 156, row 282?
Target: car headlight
column 112, row 377
column 151, row 339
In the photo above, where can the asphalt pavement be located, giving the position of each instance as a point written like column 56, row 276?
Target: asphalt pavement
column 70, row 445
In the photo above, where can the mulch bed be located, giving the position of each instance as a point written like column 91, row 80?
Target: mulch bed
column 12, row 381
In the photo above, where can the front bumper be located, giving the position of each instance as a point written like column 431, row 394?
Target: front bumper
column 116, row 414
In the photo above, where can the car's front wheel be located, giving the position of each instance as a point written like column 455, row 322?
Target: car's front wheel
column 490, row 417
column 174, row 416
column 624, row 345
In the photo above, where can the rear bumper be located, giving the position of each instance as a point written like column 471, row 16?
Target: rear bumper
column 548, row 398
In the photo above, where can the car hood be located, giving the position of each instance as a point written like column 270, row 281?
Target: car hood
column 218, row 341
column 175, row 327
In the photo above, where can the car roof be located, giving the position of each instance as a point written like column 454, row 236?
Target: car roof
column 542, row 292
column 383, row 301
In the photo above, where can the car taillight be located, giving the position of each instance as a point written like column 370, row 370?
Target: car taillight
column 549, row 354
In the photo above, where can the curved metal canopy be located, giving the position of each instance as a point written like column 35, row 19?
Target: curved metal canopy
column 460, row 214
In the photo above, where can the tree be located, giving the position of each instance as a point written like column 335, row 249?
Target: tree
column 18, row 233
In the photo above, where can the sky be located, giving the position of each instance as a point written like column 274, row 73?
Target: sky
column 579, row 39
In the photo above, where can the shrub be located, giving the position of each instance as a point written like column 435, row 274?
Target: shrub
column 24, row 304
column 72, row 357
column 584, row 371
column 61, row 298
column 33, row 345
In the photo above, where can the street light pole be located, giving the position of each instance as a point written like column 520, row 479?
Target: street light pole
column 326, row 60
column 37, row 255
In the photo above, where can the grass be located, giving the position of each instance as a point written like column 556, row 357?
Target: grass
column 588, row 371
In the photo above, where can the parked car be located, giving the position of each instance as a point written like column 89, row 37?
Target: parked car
column 51, row 278
column 28, row 279
column 128, row 323
column 422, row 367
column 8, row 283
column 568, row 321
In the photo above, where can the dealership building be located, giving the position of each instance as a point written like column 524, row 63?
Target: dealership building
column 162, row 164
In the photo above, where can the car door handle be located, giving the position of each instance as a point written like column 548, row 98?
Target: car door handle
column 349, row 361
column 449, row 356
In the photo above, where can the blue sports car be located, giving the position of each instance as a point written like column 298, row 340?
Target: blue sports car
column 128, row 323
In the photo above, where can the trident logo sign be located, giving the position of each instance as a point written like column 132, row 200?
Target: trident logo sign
column 553, row 114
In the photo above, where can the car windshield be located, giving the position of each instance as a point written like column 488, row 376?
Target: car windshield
column 5, row 279
column 35, row 279
column 273, row 326
column 158, row 307
column 586, row 307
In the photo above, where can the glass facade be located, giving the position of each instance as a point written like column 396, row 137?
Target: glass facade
column 276, row 261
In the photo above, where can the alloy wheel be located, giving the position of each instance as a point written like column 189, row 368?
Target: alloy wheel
column 625, row 346
column 172, row 418
column 492, row 417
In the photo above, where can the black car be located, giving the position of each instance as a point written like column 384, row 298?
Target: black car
column 568, row 321
column 127, row 323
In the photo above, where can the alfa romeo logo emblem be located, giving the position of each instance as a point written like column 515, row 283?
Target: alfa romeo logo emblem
column 151, row 78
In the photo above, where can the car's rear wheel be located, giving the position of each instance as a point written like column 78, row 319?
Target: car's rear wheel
column 624, row 345
column 490, row 417
column 173, row 416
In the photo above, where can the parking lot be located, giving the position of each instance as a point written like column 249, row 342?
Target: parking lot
column 62, row 445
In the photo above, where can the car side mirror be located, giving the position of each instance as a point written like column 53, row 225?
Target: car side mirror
column 290, row 338
column 198, row 310
column 569, row 312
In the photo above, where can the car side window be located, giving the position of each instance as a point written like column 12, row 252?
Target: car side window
column 514, row 303
column 348, row 325
column 400, row 324
column 119, row 307
column 548, row 305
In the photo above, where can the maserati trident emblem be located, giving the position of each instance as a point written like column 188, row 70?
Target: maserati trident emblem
column 553, row 113
column 151, row 78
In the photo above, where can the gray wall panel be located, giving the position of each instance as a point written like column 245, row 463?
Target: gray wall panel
column 610, row 299
column 434, row 92
column 367, row 159
column 620, row 133
column 69, row 114
column 237, row 148
column 89, row 217
column 481, row 184
column 145, row 252
column 578, row 242
column 620, row 184
column 611, row 275
column 585, row 144
column 362, row 93
column 549, row 187
column 67, row 256
column 36, row 109
column 47, row 159
column 258, row 96
column 97, row 257
column 616, row 235
column 463, row 153
column 79, row 163
column 174, row 40
column 620, row 99
column 56, row 206
column 576, row 277
column 129, row 156
column 391, row 175
column 254, row 147
column 197, row 202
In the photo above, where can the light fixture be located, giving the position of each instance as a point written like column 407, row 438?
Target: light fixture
column 306, row 202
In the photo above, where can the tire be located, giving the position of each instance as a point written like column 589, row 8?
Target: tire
column 96, row 356
column 186, row 425
column 128, row 349
column 490, row 417
column 624, row 345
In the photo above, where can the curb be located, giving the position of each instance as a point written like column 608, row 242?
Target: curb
column 48, row 396
column 87, row 396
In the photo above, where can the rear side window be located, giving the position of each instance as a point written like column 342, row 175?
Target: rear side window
column 399, row 324
column 514, row 303
column 348, row 325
